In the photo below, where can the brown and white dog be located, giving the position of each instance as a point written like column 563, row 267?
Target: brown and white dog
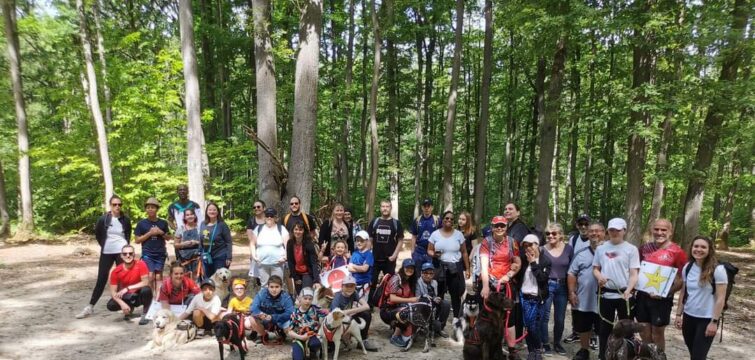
column 323, row 297
column 622, row 343
column 166, row 334
column 336, row 326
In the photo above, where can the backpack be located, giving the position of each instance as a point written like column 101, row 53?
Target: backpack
column 436, row 221
column 379, row 296
column 304, row 217
column 731, row 273
column 474, row 262
column 280, row 228
column 374, row 223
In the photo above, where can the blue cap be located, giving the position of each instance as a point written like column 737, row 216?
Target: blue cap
column 407, row 263
column 428, row 266
column 487, row 231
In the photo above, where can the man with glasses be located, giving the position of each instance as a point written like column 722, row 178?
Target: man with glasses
column 177, row 208
column 579, row 240
column 129, row 286
column 296, row 215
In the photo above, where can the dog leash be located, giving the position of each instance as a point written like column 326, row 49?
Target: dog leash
column 508, row 315
column 600, row 295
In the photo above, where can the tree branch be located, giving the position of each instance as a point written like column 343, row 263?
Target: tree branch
column 281, row 173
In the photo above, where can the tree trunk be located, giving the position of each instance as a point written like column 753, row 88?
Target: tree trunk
column 448, row 149
column 732, row 56
column 419, row 128
column 225, row 102
column 608, row 149
column 4, row 217
column 723, row 244
column 26, row 226
column 660, row 169
column 393, row 134
column 208, row 64
column 538, row 113
column 573, row 138
column 194, row 135
column 482, row 128
column 428, row 123
column 372, row 187
column 342, row 157
column 268, row 176
column 103, row 64
column 305, row 104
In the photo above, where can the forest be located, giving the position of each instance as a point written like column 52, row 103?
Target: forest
column 640, row 109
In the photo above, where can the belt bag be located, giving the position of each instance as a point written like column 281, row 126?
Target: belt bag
column 451, row 267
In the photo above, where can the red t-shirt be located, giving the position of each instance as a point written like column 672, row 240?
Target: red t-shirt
column 126, row 277
column 396, row 287
column 177, row 296
column 301, row 264
column 671, row 255
column 499, row 263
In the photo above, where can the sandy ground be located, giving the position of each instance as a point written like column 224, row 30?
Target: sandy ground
column 44, row 286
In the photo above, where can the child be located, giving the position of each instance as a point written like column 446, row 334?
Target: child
column 240, row 303
column 340, row 255
column 305, row 323
column 204, row 310
column 361, row 263
column 271, row 309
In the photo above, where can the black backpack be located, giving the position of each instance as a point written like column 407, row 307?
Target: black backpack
column 379, row 296
column 731, row 273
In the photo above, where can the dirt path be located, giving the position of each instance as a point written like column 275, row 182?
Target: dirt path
column 44, row 286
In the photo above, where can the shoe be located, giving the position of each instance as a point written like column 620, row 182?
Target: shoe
column 200, row 332
column 397, row 341
column 252, row 336
column 594, row 343
column 582, row 354
column 547, row 350
column 442, row 334
column 559, row 349
column 369, row 346
column 86, row 312
column 127, row 318
column 143, row 320
column 571, row 339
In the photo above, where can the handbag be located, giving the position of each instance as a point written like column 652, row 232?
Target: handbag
column 451, row 267
column 207, row 255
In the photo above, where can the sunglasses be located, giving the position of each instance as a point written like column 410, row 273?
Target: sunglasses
column 499, row 226
column 294, row 203
column 360, row 240
column 449, row 218
column 258, row 206
column 554, row 233
column 116, row 204
column 127, row 253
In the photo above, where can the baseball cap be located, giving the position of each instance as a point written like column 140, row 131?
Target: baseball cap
column 487, row 231
column 348, row 280
column 617, row 224
column 584, row 217
column 531, row 238
column 427, row 201
column 498, row 220
column 427, row 266
column 152, row 201
column 407, row 263
column 363, row 235
column 270, row 212
column 207, row 282
column 307, row 291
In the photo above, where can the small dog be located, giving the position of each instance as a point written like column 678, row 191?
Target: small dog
column 622, row 344
column 323, row 297
column 421, row 315
column 484, row 336
column 222, row 279
column 337, row 325
column 166, row 335
column 230, row 331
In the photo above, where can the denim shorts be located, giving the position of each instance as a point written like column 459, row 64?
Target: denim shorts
column 154, row 263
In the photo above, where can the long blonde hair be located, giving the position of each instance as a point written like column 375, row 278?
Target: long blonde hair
column 709, row 263
column 469, row 228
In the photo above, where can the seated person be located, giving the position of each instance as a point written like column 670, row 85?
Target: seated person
column 204, row 310
column 400, row 291
column 304, row 325
column 240, row 303
column 179, row 289
column 349, row 301
column 272, row 309
column 427, row 286
column 129, row 286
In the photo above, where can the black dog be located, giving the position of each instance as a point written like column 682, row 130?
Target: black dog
column 230, row 331
column 421, row 315
column 484, row 339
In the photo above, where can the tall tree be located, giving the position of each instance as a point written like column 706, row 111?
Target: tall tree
column 482, row 127
column 96, row 9
column 732, row 55
column 393, row 134
column 14, row 65
column 194, row 135
column 342, row 155
column 374, row 145
column 448, row 153
column 305, row 104
column 4, row 217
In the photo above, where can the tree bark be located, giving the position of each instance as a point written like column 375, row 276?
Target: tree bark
column 574, row 137
column 305, row 104
column 372, row 186
column 208, row 64
column 4, row 217
column 393, row 133
column 194, row 135
column 538, row 113
column 26, row 226
column 419, row 128
column 342, row 158
column 723, row 243
column 448, row 148
column 482, row 128
column 97, row 6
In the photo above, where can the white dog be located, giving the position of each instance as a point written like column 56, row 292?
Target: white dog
column 337, row 325
column 222, row 279
column 166, row 335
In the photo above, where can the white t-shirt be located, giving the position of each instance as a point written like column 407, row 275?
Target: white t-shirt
column 270, row 244
column 700, row 299
column 449, row 246
column 198, row 302
column 116, row 238
column 529, row 284
column 615, row 262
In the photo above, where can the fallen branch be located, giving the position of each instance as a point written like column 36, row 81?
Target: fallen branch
column 281, row 173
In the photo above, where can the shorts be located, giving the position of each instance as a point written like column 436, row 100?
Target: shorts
column 657, row 312
column 154, row 263
column 583, row 321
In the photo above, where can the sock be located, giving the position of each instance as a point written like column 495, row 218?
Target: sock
column 405, row 338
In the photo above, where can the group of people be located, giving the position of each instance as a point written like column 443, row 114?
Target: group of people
column 541, row 272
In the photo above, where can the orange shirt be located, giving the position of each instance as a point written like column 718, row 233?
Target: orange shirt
column 499, row 256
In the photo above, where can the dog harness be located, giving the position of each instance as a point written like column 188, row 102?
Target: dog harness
column 330, row 332
column 239, row 330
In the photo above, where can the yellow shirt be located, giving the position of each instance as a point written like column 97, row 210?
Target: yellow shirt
column 240, row 305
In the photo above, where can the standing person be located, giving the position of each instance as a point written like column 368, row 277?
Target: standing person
column 203, row 310
column 517, row 229
column 582, row 289
column 616, row 266
column 178, row 289
column 499, row 263
column 701, row 303
column 447, row 245
column 362, row 263
column 467, row 227
column 217, row 244
column 560, row 255
column 652, row 310
column 333, row 230
column 112, row 237
column 267, row 246
column 256, row 220
column 296, row 215
column 385, row 233
column 400, row 292
column 536, row 270
column 422, row 227
column 188, row 244
column 302, row 259
column 355, row 306
column 348, row 217
column 578, row 240
column 428, row 286
column 129, row 286
column 177, row 208
column 151, row 233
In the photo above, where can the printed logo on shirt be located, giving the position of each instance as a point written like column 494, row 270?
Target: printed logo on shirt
column 612, row 255
column 383, row 233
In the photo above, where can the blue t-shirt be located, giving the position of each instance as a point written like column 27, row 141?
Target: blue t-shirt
column 153, row 247
column 344, row 302
column 422, row 228
column 361, row 258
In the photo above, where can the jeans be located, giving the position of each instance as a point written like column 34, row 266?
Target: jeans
column 297, row 348
column 693, row 330
column 533, row 310
column 557, row 295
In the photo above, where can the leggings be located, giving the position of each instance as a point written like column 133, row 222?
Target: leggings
column 141, row 298
column 103, row 271
column 455, row 285
column 301, row 281
column 297, row 348
column 693, row 330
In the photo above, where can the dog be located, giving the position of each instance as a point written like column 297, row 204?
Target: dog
column 335, row 326
column 621, row 343
column 230, row 330
column 167, row 334
column 484, row 336
column 421, row 315
column 323, row 297
column 222, row 279
column 471, row 309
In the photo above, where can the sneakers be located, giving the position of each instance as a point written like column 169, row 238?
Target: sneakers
column 86, row 312
column 547, row 350
column 397, row 341
column 559, row 349
column 369, row 346
column 582, row 354
column 571, row 339
column 143, row 320
column 442, row 334
column 594, row 342
column 200, row 332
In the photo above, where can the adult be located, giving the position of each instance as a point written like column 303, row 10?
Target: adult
column 499, row 263
column 151, row 233
column 517, row 229
column 257, row 219
column 355, row 306
column 203, row 310
column 616, row 266
column 296, row 215
column 422, row 227
column 578, row 239
column 534, row 292
column 129, row 286
column 178, row 289
column 385, row 233
column 302, row 259
column 701, row 304
column 177, row 208
column 400, row 292
column 348, row 217
column 560, row 255
column 271, row 309
column 335, row 229
column 188, row 244
column 582, row 288
column 428, row 286
column 655, row 311
column 267, row 247
column 447, row 246
column 112, row 237
column 467, row 227
column 217, row 244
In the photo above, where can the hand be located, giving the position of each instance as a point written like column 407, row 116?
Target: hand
column 268, row 317
column 573, row 300
column 351, row 268
column 485, row 292
column 228, row 263
column 530, row 257
column 316, row 286
column 467, row 274
column 505, row 279
column 121, row 292
column 437, row 300
column 156, row 231
column 125, row 309
column 282, row 260
column 678, row 322
column 602, row 281
column 711, row 329
column 627, row 294
column 392, row 258
column 256, row 258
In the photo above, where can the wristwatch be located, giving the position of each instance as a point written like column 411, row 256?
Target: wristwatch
column 715, row 321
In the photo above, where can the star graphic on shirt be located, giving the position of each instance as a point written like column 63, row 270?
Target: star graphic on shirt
column 655, row 279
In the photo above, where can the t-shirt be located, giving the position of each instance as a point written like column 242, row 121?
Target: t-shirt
column 499, row 258
column 344, row 302
column 385, row 237
column 153, row 247
column 587, row 285
column 123, row 277
column 240, row 305
column 672, row 255
column 116, row 238
column 299, row 260
column 578, row 242
column 361, row 258
column 198, row 302
column 307, row 319
column 176, row 212
column 559, row 264
column 338, row 261
column 529, row 283
column 615, row 262
column 270, row 244
column 700, row 299
column 176, row 296
column 399, row 288
column 298, row 219
column 189, row 235
column 252, row 223
column 422, row 228
column 449, row 246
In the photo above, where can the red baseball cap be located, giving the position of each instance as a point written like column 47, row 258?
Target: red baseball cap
column 498, row 220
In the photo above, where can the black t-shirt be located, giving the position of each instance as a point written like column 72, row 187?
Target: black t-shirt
column 289, row 220
column 251, row 223
column 385, row 235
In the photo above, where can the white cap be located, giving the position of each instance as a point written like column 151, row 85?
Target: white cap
column 617, row 224
column 363, row 235
column 531, row 238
